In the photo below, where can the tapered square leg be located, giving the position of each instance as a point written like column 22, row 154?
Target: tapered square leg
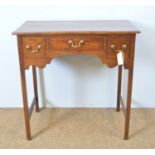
column 25, row 104
column 128, row 106
column 119, row 87
column 24, row 90
column 35, row 87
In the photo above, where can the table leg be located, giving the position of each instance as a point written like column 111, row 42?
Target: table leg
column 24, row 90
column 35, row 87
column 25, row 103
column 119, row 87
column 128, row 106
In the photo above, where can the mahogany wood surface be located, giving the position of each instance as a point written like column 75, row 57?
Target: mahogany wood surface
column 41, row 41
column 61, row 27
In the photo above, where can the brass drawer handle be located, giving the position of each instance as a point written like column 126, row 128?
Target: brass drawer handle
column 36, row 50
column 112, row 46
column 71, row 43
column 124, row 46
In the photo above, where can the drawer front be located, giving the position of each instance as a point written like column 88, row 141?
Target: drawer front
column 116, row 43
column 75, row 44
column 40, row 50
column 34, row 47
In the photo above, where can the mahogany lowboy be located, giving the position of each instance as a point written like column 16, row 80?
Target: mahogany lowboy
column 41, row 41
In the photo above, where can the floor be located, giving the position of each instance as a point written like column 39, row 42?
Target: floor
column 77, row 128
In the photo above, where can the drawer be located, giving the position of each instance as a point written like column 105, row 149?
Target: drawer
column 75, row 44
column 34, row 47
column 116, row 43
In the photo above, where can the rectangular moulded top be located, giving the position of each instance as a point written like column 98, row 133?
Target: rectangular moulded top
column 63, row 27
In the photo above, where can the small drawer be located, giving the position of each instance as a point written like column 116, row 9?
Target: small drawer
column 75, row 44
column 116, row 43
column 34, row 47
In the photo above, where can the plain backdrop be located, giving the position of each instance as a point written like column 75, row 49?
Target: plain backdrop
column 77, row 80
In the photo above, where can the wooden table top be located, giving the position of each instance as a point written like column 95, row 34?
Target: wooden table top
column 98, row 27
